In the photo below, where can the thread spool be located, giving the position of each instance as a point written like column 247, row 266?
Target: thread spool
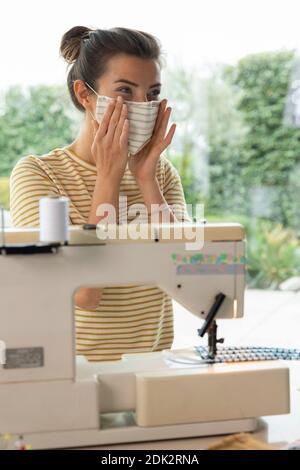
column 54, row 219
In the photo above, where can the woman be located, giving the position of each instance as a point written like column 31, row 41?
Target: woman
column 122, row 64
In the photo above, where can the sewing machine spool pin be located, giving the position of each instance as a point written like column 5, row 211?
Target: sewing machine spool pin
column 210, row 327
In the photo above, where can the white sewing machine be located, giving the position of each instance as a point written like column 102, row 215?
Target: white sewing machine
column 57, row 400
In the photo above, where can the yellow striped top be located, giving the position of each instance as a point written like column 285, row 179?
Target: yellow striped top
column 131, row 318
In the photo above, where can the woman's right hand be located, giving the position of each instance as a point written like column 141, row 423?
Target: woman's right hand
column 110, row 145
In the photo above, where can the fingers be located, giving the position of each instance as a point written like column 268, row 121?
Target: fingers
column 120, row 125
column 103, row 126
column 160, row 134
column 160, row 141
column 124, row 135
column 169, row 136
column 161, row 111
column 114, row 127
column 114, row 120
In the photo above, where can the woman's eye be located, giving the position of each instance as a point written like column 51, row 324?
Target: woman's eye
column 156, row 92
column 127, row 90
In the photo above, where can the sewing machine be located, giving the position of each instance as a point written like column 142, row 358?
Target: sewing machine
column 55, row 399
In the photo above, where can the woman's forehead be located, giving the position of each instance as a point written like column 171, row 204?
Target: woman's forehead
column 133, row 69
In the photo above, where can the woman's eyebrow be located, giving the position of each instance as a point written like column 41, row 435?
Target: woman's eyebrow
column 134, row 84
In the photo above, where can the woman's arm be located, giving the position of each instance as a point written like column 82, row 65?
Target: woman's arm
column 144, row 167
column 87, row 297
column 110, row 151
column 105, row 192
column 173, row 191
column 152, row 194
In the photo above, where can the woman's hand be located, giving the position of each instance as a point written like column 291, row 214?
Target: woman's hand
column 143, row 164
column 110, row 145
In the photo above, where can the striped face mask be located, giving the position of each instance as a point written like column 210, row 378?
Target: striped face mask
column 142, row 117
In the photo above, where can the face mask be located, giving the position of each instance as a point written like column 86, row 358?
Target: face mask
column 142, row 117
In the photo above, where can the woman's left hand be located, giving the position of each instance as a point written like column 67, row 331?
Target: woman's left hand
column 143, row 164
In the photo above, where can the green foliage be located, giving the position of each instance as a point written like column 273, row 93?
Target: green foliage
column 273, row 252
column 271, row 150
column 184, row 165
column 226, row 131
column 252, row 149
column 34, row 121
column 273, row 255
column 186, row 93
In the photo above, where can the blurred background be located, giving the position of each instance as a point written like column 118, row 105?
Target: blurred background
column 232, row 76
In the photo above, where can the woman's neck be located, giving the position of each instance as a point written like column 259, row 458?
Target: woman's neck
column 81, row 146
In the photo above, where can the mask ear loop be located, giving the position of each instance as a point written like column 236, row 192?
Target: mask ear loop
column 96, row 94
column 94, row 119
column 91, row 88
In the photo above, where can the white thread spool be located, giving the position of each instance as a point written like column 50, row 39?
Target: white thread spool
column 54, row 219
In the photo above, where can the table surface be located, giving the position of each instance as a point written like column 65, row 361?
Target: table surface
column 272, row 318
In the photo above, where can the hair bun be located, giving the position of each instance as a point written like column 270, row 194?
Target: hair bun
column 71, row 42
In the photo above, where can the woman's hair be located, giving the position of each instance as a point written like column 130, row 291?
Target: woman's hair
column 88, row 51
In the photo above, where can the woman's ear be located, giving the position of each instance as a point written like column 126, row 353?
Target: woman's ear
column 83, row 95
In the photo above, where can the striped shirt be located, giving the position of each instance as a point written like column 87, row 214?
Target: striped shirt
column 128, row 318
